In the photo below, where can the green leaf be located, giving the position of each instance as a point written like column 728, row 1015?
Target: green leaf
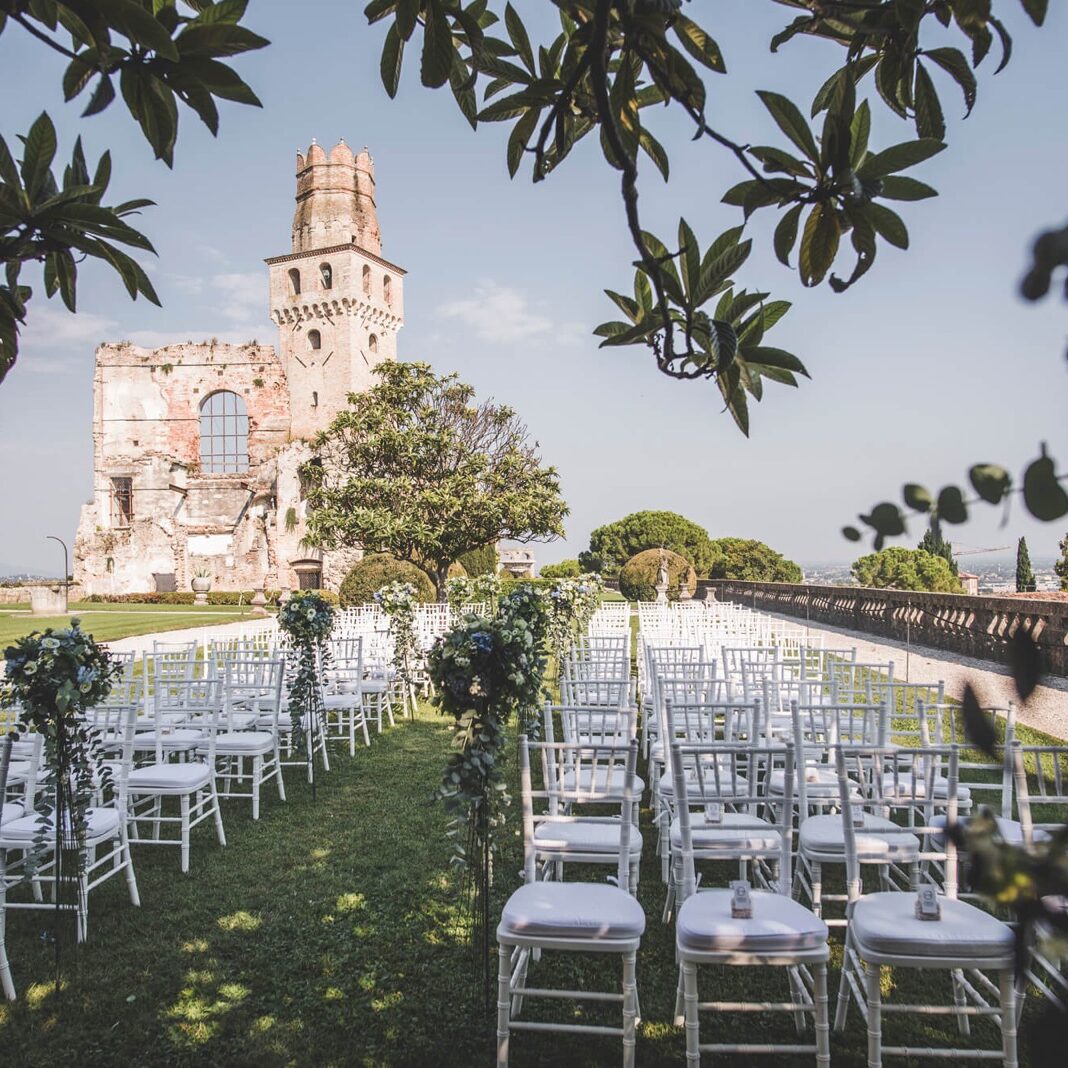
column 929, row 119
column 103, row 95
column 655, row 151
column 518, row 33
column 790, row 120
column 766, row 356
column 39, row 150
column 990, row 481
column 723, row 342
column 899, row 157
column 1036, row 10
column 859, row 129
column 438, row 51
column 1044, row 496
column 699, row 44
column 140, row 26
column 786, row 234
column 901, row 187
column 819, row 244
column 953, row 62
column 888, row 225
column 518, row 138
column 392, row 57
column 886, row 519
column 951, row 506
column 851, row 533
column 917, row 497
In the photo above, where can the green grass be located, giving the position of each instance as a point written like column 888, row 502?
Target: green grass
column 106, row 622
column 328, row 934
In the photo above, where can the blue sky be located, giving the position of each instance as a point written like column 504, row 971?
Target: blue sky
column 929, row 364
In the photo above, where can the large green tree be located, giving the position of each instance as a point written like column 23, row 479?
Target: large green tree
column 898, row 568
column 752, row 561
column 160, row 55
column 934, row 542
column 612, row 545
column 1060, row 568
column 414, row 467
column 1025, row 574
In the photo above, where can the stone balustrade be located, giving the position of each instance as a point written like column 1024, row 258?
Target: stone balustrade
column 977, row 626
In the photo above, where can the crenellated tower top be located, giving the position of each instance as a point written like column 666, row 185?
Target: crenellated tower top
column 335, row 200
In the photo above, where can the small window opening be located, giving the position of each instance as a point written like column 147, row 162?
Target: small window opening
column 315, row 339
column 387, row 289
column 294, row 280
column 328, row 275
column 315, row 399
column 310, row 580
column 367, row 280
column 372, row 343
column 122, row 501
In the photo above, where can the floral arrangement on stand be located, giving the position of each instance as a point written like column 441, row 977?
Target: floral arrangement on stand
column 485, row 672
column 572, row 603
column 398, row 600
column 458, row 592
column 487, row 589
column 307, row 620
column 51, row 680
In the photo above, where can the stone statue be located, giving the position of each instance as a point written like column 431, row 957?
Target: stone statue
column 662, row 579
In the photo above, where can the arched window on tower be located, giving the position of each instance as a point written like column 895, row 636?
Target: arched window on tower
column 223, row 434
column 372, row 344
column 387, row 289
column 366, row 280
column 328, row 275
column 294, row 280
column 315, row 339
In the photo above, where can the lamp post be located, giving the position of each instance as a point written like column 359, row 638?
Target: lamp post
column 66, row 571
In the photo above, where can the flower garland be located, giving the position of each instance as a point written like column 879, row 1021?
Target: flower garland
column 458, row 592
column 397, row 600
column 307, row 620
column 572, row 603
column 52, row 679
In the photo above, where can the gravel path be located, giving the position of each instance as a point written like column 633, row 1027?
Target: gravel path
column 1046, row 711
column 202, row 634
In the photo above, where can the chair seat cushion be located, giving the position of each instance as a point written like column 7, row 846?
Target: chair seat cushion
column 778, row 925
column 11, row 810
column 100, row 823
column 708, row 779
column 826, row 835
column 906, row 787
column 886, row 924
column 821, row 781
column 179, row 778
column 1011, row 831
column 342, row 700
column 583, row 836
column 736, row 833
column 179, row 738
column 572, row 910
column 242, row 742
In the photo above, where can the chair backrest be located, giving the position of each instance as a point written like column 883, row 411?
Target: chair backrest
column 598, row 784
column 193, row 703
column 712, row 722
column 735, row 775
column 592, row 683
column 598, row 725
column 1040, row 773
column 252, row 686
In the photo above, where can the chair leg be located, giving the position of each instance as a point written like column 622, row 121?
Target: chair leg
column 131, row 877
column 504, row 1003
column 960, row 999
column 822, row 1022
column 257, row 772
column 693, row 1026
column 1008, row 1019
column 630, row 1008
column 278, row 773
column 680, row 1017
column 816, row 883
column 185, row 832
column 7, row 981
column 216, row 808
column 841, row 1009
column 875, row 1015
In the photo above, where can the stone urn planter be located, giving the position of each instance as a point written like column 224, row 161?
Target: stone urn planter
column 201, row 585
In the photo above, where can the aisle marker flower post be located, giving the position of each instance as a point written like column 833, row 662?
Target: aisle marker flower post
column 307, row 619
column 397, row 600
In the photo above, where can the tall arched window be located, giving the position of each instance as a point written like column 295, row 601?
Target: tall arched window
column 223, row 434
column 328, row 275
column 294, row 280
column 372, row 344
column 315, row 339
column 387, row 289
column 366, row 280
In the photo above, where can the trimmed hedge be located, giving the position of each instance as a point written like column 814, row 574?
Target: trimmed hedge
column 564, row 569
column 215, row 597
column 637, row 578
column 373, row 572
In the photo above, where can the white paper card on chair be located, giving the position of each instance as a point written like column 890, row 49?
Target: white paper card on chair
column 858, row 815
column 927, row 904
column 714, row 812
column 741, row 900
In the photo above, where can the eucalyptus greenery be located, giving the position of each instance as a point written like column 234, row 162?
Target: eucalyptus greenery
column 571, row 603
column 307, row 619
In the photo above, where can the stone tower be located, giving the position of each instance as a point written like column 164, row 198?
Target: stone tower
column 338, row 304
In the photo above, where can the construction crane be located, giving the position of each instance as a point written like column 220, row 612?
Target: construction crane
column 975, row 552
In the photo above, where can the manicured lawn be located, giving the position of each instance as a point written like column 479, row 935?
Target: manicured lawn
column 328, row 934
column 107, row 622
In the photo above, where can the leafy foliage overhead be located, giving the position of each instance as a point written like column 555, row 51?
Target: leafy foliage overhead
column 614, row 61
column 414, row 468
column 158, row 56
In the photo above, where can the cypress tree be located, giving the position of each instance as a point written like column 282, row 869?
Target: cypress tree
column 1061, row 566
column 932, row 542
column 1025, row 575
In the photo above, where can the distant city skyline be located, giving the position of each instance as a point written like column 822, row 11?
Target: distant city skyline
column 931, row 363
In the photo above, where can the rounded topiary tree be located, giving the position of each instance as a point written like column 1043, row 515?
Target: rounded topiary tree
column 637, row 578
column 373, row 572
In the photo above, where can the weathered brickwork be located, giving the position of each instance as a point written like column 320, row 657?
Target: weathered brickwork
column 976, row 626
column 177, row 491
